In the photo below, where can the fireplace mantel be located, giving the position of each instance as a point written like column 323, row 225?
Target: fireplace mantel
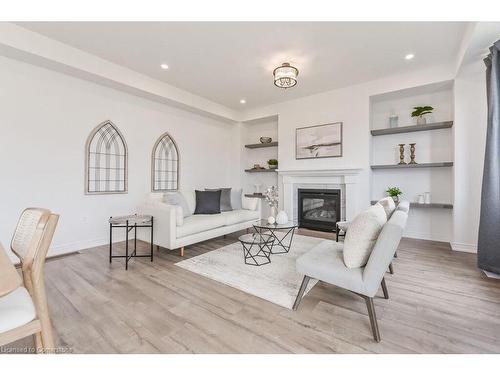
column 346, row 179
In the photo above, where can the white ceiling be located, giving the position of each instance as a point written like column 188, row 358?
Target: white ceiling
column 226, row 62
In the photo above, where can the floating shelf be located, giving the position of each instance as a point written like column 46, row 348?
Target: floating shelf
column 413, row 128
column 260, row 170
column 262, row 145
column 410, row 166
column 428, row 205
column 261, row 196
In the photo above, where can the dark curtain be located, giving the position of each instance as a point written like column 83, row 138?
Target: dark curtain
column 489, row 223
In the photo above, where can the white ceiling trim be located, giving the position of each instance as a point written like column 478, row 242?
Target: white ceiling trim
column 21, row 44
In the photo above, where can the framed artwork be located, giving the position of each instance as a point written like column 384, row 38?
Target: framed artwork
column 319, row 141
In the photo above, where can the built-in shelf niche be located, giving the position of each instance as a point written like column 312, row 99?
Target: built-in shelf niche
column 434, row 151
column 255, row 152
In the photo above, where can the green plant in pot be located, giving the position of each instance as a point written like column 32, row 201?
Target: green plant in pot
column 273, row 163
column 419, row 113
column 394, row 193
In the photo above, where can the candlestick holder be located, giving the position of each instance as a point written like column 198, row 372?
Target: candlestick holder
column 401, row 153
column 412, row 154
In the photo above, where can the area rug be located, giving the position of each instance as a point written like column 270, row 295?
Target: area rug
column 277, row 282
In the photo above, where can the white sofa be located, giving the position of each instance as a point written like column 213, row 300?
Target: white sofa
column 174, row 231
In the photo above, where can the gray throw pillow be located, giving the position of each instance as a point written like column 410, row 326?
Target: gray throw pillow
column 236, row 199
column 207, row 202
column 225, row 199
column 177, row 199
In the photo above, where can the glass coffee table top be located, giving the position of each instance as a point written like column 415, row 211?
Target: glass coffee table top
column 256, row 238
column 265, row 225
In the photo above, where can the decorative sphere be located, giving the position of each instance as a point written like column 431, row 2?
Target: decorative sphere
column 271, row 220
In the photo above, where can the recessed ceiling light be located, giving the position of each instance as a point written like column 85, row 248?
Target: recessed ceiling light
column 164, row 66
column 409, row 56
column 243, row 101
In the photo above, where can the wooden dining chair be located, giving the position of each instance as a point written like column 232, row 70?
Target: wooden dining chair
column 24, row 311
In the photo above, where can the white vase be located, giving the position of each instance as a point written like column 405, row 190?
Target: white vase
column 421, row 120
column 427, row 196
column 282, row 217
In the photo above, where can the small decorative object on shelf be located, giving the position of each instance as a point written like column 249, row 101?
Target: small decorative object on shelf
column 394, row 193
column 257, row 166
column 257, row 188
column 427, row 197
column 420, row 199
column 419, row 113
column 266, row 139
column 271, row 196
column 393, row 121
column 412, row 153
column 401, row 153
column 273, row 163
column 282, row 218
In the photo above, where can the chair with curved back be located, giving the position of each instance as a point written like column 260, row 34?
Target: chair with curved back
column 24, row 311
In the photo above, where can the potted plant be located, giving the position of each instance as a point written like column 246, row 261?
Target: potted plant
column 419, row 112
column 394, row 193
column 273, row 163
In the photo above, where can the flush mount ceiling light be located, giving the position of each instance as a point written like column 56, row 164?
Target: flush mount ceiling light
column 164, row 66
column 409, row 56
column 285, row 76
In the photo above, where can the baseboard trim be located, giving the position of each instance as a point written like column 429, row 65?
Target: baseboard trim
column 464, row 247
column 425, row 236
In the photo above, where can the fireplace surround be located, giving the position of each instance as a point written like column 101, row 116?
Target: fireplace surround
column 319, row 209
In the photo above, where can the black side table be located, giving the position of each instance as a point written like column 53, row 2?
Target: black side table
column 256, row 248
column 130, row 222
column 285, row 242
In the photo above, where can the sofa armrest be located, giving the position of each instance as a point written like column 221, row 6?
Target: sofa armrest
column 164, row 223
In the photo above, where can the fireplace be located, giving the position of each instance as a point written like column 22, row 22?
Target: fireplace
column 319, row 209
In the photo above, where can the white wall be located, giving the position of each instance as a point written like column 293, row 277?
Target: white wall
column 45, row 119
column 470, row 136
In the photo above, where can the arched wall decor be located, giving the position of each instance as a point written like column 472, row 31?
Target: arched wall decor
column 106, row 161
column 165, row 164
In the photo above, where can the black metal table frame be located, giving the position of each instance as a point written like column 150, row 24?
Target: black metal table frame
column 277, row 240
column 248, row 255
column 128, row 228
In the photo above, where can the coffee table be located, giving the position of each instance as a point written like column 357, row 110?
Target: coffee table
column 285, row 241
column 256, row 248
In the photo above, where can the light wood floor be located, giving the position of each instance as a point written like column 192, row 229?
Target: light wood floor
column 439, row 303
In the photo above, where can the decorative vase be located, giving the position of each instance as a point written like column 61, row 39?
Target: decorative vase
column 273, row 166
column 395, row 198
column 401, row 153
column 393, row 121
column 427, row 197
column 282, row 217
column 420, row 199
column 265, row 139
column 412, row 153
column 274, row 211
column 421, row 120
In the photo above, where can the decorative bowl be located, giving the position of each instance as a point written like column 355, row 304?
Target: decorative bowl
column 265, row 139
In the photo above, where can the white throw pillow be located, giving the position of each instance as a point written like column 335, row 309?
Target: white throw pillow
column 190, row 197
column 362, row 235
column 249, row 203
column 389, row 206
